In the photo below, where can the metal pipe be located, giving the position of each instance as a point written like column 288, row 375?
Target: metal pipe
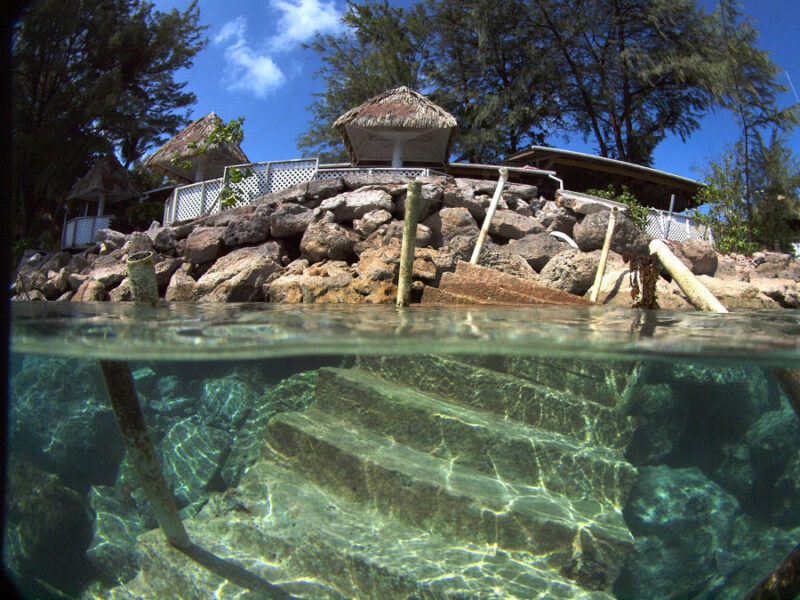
column 409, row 242
column 669, row 216
column 690, row 285
column 601, row 267
column 501, row 182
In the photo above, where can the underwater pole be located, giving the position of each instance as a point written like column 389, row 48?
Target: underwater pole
column 601, row 266
column 130, row 418
column 409, row 243
column 501, row 182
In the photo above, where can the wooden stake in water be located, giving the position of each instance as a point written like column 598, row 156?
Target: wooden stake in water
column 130, row 419
column 409, row 243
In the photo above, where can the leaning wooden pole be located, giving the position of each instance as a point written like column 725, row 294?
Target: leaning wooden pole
column 409, row 243
column 130, row 418
column 784, row 581
column 501, row 182
column 601, row 266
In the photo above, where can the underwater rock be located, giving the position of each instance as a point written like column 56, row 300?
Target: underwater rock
column 115, row 528
column 753, row 465
column 61, row 420
column 660, row 419
column 681, row 521
column 47, row 532
column 786, row 495
column 296, row 392
column 193, row 454
column 225, row 402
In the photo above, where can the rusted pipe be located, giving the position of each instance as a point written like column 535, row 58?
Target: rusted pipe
column 601, row 267
column 409, row 243
column 501, row 182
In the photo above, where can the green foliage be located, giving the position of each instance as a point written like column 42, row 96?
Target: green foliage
column 91, row 77
column 230, row 196
column 743, row 223
column 141, row 214
column 637, row 212
column 726, row 214
column 622, row 73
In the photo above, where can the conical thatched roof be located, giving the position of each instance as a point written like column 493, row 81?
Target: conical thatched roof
column 208, row 166
column 398, row 123
column 106, row 179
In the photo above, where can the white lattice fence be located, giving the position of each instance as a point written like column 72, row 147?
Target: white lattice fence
column 268, row 177
column 192, row 201
column 81, row 231
column 661, row 224
column 409, row 172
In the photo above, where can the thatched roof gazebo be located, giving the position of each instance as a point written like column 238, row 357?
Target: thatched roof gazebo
column 401, row 127
column 209, row 166
column 107, row 181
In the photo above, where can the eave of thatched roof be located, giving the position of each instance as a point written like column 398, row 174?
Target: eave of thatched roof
column 208, row 166
column 370, row 130
column 107, row 179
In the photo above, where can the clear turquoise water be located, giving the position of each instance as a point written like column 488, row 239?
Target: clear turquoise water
column 712, row 448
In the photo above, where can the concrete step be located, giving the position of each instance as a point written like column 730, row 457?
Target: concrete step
column 607, row 382
column 508, row 396
column 315, row 546
column 582, row 540
column 486, row 285
column 507, row 450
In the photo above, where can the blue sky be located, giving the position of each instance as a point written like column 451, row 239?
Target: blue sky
column 254, row 67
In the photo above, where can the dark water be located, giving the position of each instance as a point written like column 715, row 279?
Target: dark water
column 370, row 452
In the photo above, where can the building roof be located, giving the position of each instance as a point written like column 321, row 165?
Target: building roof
column 107, row 179
column 581, row 172
column 209, row 166
column 371, row 130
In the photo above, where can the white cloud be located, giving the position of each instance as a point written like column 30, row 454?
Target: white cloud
column 300, row 20
column 247, row 69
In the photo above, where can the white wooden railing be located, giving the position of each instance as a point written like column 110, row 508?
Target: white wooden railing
column 81, row 231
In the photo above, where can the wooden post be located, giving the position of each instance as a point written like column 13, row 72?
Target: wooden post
column 130, row 418
column 409, row 242
column 501, row 182
column 601, row 267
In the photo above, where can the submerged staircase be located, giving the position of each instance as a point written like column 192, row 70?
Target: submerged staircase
column 424, row 477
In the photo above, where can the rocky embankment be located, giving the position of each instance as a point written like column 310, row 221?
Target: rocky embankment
column 338, row 240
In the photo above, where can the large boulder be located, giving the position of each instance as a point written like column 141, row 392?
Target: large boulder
column 240, row 275
column 573, row 271
column 537, row 249
column 683, row 524
column 776, row 264
column 290, row 220
column 323, row 240
column 371, row 221
column 449, row 223
column 507, row 224
column 181, row 285
column 591, row 232
column 332, row 282
column 204, row 245
column 430, row 200
column 248, row 229
column 701, row 256
column 353, row 205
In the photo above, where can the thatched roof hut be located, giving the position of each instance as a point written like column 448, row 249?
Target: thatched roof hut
column 401, row 127
column 106, row 181
column 209, row 166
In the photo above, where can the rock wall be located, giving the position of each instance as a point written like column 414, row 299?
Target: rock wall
column 338, row 240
